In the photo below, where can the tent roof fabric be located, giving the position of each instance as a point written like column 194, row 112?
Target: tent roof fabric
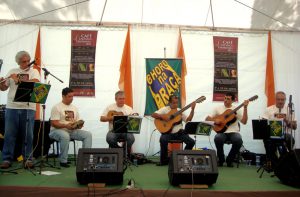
column 281, row 15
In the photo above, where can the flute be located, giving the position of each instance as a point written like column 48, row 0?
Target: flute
column 25, row 70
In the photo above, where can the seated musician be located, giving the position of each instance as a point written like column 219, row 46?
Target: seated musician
column 65, row 125
column 232, row 132
column 176, row 132
column 117, row 108
column 279, row 111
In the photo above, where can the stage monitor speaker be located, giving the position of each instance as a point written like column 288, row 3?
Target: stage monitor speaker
column 193, row 167
column 288, row 168
column 100, row 165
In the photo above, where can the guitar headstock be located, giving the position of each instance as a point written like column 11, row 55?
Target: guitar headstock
column 253, row 98
column 200, row 99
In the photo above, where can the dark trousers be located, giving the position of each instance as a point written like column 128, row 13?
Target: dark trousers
column 282, row 146
column 234, row 138
column 165, row 138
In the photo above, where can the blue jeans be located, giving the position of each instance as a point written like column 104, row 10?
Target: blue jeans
column 18, row 122
column 64, row 138
column 113, row 138
column 234, row 138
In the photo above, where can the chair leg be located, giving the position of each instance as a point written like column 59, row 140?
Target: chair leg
column 75, row 152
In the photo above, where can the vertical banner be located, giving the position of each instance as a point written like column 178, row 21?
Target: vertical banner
column 269, row 81
column 38, row 66
column 125, row 82
column 180, row 54
column 225, row 75
column 82, row 71
column 163, row 78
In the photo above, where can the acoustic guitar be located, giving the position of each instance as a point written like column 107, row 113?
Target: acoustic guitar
column 228, row 117
column 174, row 117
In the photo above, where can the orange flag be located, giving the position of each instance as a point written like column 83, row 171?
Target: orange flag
column 125, row 83
column 180, row 54
column 269, row 83
column 37, row 66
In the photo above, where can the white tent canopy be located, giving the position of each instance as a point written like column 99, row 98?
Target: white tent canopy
column 246, row 14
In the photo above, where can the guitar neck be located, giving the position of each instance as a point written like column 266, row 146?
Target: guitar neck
column 182, row 110
column 237, row 108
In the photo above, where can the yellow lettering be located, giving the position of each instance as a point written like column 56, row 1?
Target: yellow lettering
column 164, row 95
column 149, row 79
column 173, row 83
column 177, row 78
column 158, row 101
column 169, row 89
column 153, row 74
column 165, row 77
column 157, row 70
column 161, row 80
column 161, row 66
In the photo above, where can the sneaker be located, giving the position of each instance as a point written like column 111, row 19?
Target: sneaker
column 5, row 165
column 28, row 165
column 65, row 165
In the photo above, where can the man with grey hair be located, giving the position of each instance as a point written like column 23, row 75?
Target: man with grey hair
column 280, row 111
column 117, row 108
column 19, row 116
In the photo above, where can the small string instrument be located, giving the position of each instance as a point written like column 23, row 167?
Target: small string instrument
column 113, row 113
column 78, row 124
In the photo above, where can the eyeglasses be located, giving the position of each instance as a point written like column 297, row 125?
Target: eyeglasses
column 25, row 61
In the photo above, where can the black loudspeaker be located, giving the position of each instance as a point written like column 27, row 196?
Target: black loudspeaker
column 193, row 167
column 100, row 165
column 288, row 168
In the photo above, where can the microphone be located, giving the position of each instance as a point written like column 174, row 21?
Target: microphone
column 290, row 101
column 1, row 62
column 46, row 73
column 33, row 62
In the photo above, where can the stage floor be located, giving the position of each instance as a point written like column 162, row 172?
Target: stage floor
column 148, row 177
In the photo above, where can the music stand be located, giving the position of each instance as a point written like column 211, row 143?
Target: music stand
column 198, row 128
column 34, row 92
column 127, row 125
column 261, row 131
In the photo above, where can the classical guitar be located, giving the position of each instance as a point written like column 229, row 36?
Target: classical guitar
column 228, row 117
column 174, row 117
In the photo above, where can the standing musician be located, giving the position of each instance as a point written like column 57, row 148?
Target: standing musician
column 176, row 132
column 19, row 116
column 117, row 108
column 279, row 111
column 232, row 132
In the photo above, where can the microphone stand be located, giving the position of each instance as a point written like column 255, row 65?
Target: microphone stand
column 290, row 122
column 46, row 73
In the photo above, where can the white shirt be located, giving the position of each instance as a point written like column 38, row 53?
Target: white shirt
column 126, row 110
column 64, row 113
column 234, row 127
column 26, row 75
column 166, row 110
column 273, row 112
